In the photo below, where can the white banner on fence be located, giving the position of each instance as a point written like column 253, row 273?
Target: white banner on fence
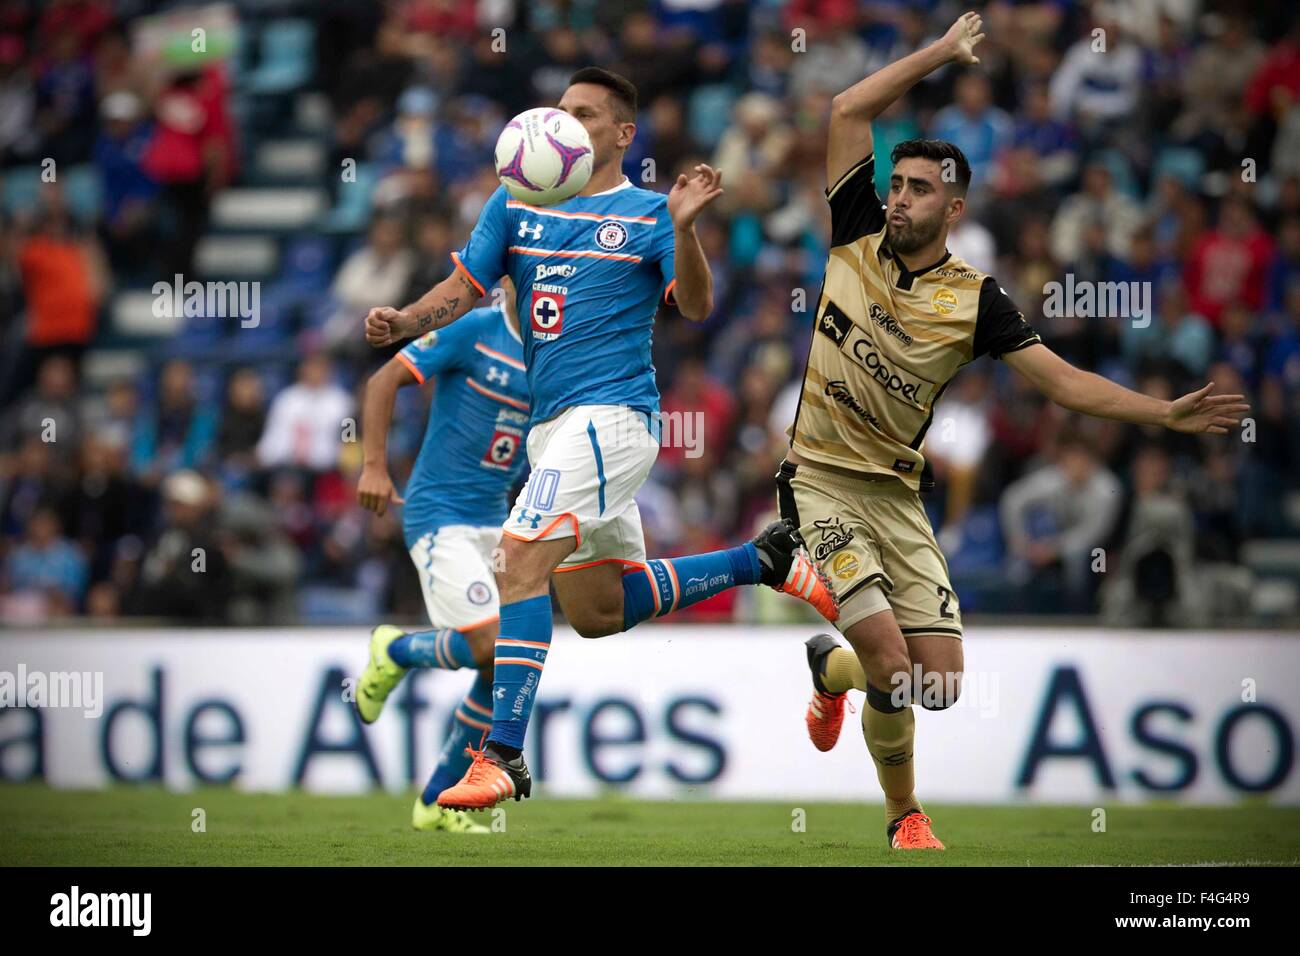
column 1075, row 716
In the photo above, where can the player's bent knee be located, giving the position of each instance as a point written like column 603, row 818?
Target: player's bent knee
column 592, row 625
column 939, row 690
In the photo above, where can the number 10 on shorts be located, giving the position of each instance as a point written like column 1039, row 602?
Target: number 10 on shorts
column 539, row 495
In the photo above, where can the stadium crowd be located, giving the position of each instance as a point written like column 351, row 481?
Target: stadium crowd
column 207, row 474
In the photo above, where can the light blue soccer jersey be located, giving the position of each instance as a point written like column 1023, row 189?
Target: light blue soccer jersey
column 473, row 448
column 590, row 273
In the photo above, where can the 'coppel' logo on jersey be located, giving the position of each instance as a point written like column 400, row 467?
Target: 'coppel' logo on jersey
column 611, row 235
column 547, row 311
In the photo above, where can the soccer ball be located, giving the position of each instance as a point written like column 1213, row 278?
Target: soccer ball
column 543, row 156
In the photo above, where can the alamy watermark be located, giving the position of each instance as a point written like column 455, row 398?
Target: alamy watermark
column 73, row 690
column 213, row 300
column 666, row 429
column 1098, row 300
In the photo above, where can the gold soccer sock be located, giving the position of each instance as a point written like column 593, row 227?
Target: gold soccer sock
column 843, row 671
column 890, row 732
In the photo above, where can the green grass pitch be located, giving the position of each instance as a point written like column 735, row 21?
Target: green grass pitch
column 128, row 826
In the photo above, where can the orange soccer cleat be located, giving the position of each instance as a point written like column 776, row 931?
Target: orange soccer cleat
column 786, row 567
column 912, row 831
column 490, row 779
column 825, row 713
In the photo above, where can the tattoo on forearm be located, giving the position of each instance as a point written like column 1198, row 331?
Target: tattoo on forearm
column 438, row 317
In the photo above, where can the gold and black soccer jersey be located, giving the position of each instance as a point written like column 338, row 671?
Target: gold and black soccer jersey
column 887, row 341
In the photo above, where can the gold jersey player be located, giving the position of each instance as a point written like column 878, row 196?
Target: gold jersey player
column 898, row 317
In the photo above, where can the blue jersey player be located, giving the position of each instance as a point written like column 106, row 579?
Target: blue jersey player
column 590, row 273
column 454, row 503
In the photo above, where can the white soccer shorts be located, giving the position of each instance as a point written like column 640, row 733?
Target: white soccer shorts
column 587, row 463
column 456, row 575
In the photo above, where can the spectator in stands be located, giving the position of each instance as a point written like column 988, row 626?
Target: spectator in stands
column 1054, row 519
column 50, row 414
column 130, row 212
column 192, row 155
column 243, row 419
column 306, row 422
column 19, row 141
column 183, row 575
column 376, row 274
column 1098, row 201
column 974, row 124
column 47, row 566
column 64, row 280
column 1231, row 262
column 179, row 432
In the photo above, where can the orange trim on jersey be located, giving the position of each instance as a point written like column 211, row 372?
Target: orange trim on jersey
column 469, row 627
column 631, row 565
column 578, row 254
column 501, row 357
column 512, row 642
column 410, row 367
column 677, row 588
column 477, row 707
column 467, row 719
column 497, row 396
column 547, row 530
column 590, row 216
column 455, row 257
column 518, row 660
column 668, row 291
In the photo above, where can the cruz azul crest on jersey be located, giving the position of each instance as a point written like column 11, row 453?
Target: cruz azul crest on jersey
column 500, row 454
column 547, row 311
column 611, row 235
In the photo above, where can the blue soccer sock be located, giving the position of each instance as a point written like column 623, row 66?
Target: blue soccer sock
column 521, row 651
column 468, row 725
column 668, row 584
column 446, row 649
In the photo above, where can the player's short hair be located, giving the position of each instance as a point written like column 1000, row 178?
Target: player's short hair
column 947, row 155
column 621, row 90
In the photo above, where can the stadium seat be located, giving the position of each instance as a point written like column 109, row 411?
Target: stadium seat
column 242, row 256
column 270, row 208
column 287, row 57
column 352, row 212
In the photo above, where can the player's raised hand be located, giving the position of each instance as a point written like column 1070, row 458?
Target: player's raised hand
column 1200, row 411
column 386, row 325
column 963, row 36
column 690, row 194
column 375, row 490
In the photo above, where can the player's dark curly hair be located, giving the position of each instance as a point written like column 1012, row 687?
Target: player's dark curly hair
column 621, row 90
column 938, row 150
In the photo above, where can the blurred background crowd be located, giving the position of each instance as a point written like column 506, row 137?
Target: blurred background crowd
column 198, row 466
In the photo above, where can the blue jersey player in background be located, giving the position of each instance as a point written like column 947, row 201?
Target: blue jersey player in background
column 455, row 501
column 590, row 273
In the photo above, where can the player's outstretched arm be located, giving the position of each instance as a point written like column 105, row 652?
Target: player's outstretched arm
column 375, row 487
column 443, row 304
column 1080, row 391
column 849, row 138
column 688, row 197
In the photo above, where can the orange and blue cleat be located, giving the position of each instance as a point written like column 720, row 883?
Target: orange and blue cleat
column 912, row 831
column 490, row 779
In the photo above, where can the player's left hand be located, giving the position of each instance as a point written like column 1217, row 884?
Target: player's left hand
column 962, row 38
column 691, row 194
column 1200, row 411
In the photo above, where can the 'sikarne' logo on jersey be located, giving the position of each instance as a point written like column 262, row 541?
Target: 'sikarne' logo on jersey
column 889, row 324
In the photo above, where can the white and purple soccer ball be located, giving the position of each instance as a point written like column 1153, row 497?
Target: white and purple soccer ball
column 543, row 156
